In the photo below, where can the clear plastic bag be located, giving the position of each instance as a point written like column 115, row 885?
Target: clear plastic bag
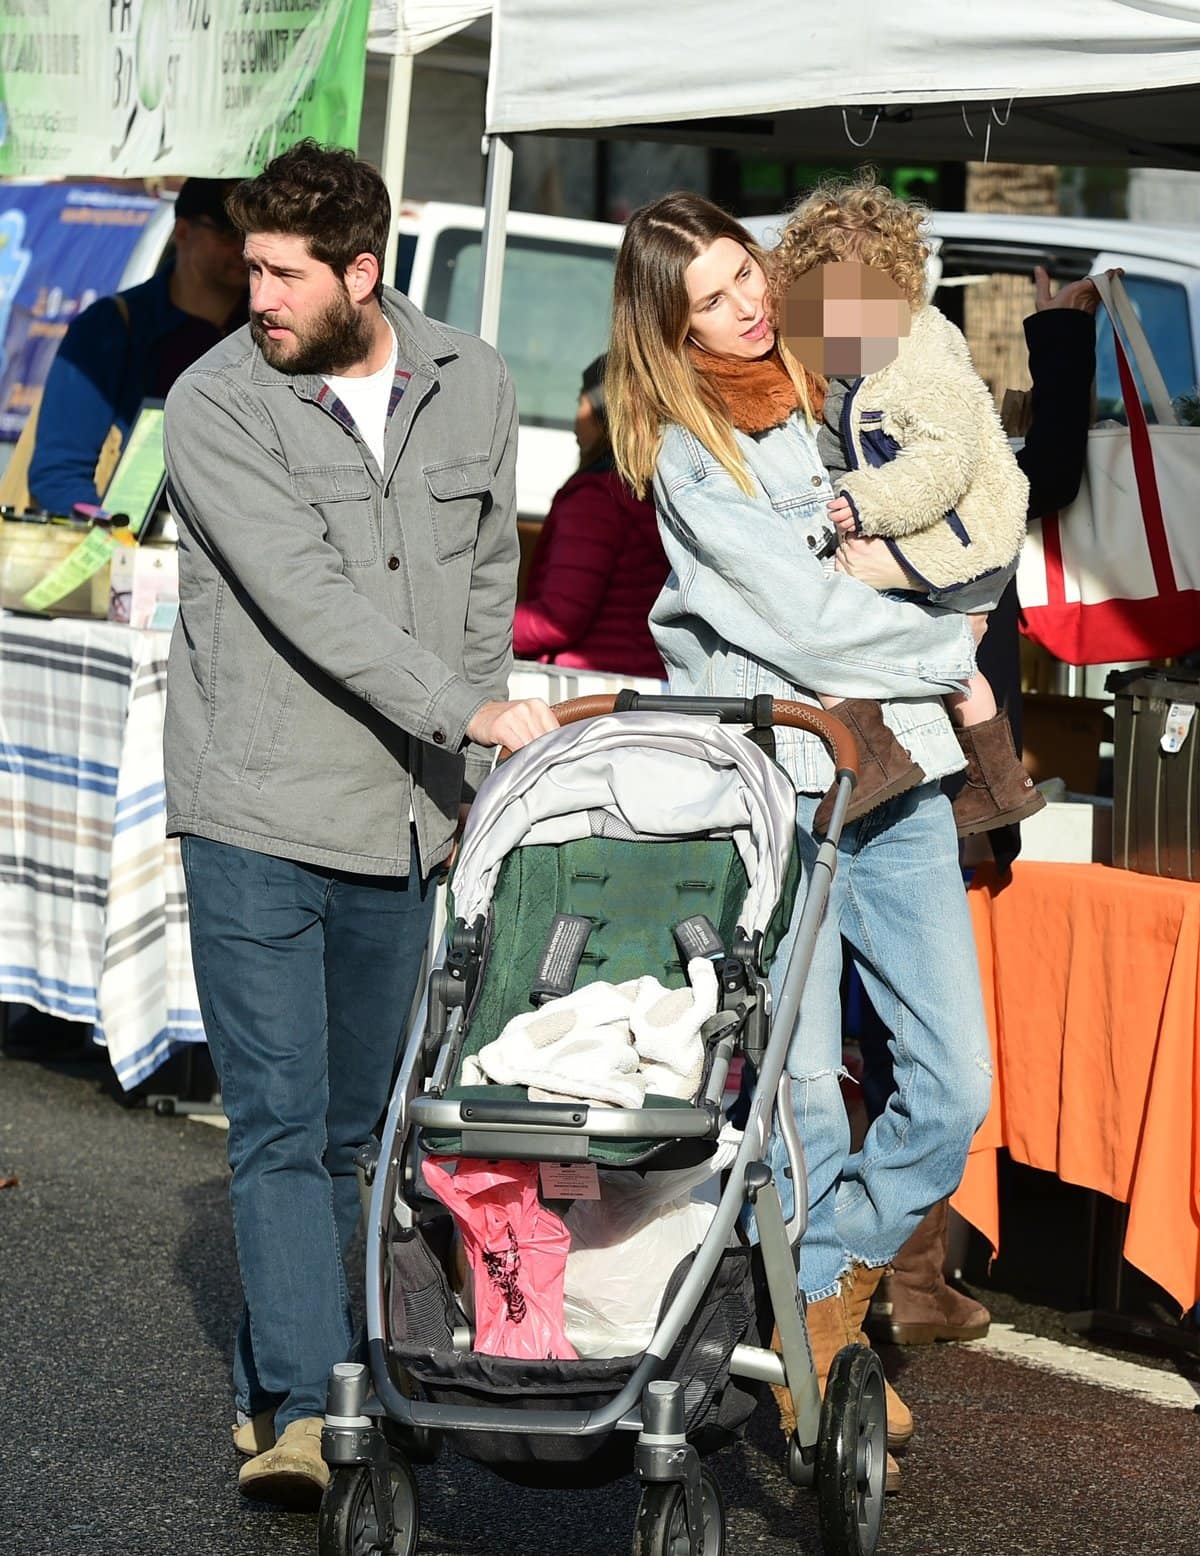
column 626, row 1245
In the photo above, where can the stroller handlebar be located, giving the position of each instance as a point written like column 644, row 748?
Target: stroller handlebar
column 760, row 712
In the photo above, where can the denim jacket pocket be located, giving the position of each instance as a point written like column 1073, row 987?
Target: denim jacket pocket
column 456, row 496
column 342, row 495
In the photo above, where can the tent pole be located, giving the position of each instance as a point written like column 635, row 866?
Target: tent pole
column 495, row 234
column 395, row 150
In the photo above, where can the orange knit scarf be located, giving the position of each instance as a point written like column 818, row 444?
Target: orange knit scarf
column 757, row 393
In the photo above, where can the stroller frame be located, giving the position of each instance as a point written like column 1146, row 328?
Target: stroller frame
column 838, row 1446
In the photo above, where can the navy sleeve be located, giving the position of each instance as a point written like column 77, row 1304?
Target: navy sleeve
column 1062, row 364
column 78, row 407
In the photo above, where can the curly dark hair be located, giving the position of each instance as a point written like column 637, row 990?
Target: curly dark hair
column 324, row 194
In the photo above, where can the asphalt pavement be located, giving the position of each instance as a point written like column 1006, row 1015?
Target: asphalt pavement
column 119, row 1288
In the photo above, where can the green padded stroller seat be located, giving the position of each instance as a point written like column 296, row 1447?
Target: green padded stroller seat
column 635, row 893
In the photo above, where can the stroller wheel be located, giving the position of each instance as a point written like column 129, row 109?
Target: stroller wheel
column 852, row 1454
column 662, row 1528
column 347, row 1525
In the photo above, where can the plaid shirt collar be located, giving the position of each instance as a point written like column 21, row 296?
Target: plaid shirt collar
column 327, row 399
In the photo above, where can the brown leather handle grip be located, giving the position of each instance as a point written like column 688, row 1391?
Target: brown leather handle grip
column 833, row 734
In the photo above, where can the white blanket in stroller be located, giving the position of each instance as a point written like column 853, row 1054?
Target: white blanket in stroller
column 607, row 1043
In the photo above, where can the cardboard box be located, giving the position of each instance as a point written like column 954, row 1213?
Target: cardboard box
column 1070, row 832
column 141, row 579
column 1062, row 738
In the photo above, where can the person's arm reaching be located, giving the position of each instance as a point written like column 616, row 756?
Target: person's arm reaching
column 1061, row 337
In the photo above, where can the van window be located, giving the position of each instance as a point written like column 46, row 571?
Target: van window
column 1162, row 307
column 554, row 315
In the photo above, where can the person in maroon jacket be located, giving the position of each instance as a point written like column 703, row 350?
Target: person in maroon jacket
column 598, row 566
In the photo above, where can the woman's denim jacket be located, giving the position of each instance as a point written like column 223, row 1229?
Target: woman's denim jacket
column 750, row 607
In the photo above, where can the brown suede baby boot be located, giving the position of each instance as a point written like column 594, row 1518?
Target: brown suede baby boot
column 997, row 790
column 885, row 768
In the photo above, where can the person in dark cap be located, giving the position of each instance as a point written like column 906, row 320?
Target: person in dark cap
column 134, row 345
column 598, row 565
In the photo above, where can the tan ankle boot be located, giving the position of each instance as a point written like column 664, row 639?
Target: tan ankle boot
column 857, row 1290
column 998, row 790
column 827, row 1335
column 914, row 1304
column 885, row 768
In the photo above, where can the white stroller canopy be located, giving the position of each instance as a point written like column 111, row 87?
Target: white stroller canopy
column 641, row 775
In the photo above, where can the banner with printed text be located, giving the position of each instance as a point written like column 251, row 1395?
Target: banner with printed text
column 138, row 88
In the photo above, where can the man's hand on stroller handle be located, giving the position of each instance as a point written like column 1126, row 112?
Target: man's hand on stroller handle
column 511, row 724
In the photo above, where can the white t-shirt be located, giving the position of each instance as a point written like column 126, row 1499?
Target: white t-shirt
column 367, row 400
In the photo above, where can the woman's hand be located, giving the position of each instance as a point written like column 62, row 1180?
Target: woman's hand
column 1076, row 294
column 873, row 562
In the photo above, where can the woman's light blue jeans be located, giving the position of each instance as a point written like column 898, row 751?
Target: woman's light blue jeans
column 897, row 897
column 306, row 977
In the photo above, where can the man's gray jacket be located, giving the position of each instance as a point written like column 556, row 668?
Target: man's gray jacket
column 339, row 626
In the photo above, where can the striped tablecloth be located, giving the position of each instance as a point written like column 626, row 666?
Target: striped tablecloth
column 93, row 917
column 93, row 925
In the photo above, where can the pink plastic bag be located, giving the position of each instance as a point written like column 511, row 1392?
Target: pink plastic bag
column 517, row 1250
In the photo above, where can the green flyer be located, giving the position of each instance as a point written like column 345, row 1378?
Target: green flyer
column 89, row 556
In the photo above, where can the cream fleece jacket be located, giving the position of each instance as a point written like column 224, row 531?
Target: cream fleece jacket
column 952, row 459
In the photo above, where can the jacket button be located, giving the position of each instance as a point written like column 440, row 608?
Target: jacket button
column 393, row 563
column 816, row 480
column 439, row 737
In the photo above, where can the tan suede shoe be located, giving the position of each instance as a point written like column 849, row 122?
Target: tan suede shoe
column 255, row 1435
column 292, row 1473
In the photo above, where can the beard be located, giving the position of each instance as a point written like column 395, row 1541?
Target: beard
column 328, row 343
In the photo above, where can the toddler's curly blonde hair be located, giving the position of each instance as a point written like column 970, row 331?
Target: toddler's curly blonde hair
column 854, row 219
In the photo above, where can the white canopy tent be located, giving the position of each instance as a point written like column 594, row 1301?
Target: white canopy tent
column 1114, row 82
column 403, row 29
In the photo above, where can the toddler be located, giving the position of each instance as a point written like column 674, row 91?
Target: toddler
column 916, row 456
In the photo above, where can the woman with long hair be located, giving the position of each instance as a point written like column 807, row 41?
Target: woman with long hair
column 709, row 410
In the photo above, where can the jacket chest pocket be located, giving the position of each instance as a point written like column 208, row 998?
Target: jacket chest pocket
column 341, row 494
column 457, row 493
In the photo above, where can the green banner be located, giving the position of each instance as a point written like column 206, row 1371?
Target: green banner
column 210, row 88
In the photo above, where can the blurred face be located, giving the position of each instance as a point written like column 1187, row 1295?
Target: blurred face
column 727, row 297
column 213, row 252
column 302, row 316
column 844, row 320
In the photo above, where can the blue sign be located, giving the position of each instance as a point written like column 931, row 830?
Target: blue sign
column 61, row 247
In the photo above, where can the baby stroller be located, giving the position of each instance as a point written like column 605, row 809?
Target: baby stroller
column 661, row 833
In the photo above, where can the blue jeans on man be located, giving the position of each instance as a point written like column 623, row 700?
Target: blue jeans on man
column 306, row 978
column 897, row 899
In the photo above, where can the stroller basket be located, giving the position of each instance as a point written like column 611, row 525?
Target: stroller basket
column 423, row 1313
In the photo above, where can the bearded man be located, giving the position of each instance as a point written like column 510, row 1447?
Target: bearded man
column 342, row 475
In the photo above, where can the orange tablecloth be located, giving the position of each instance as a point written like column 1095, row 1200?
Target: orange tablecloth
column 1091, row 980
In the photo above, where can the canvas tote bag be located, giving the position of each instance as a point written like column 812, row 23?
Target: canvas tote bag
column 1116, row 576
